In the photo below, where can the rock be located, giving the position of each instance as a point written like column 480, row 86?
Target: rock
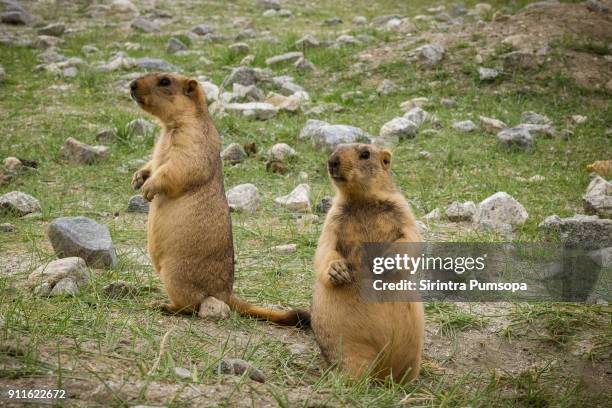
column 139, row 128
column 269, row 4
column 82, row 237
column 401, row 128
column 202, row 29
column 106, row 135
column 89, row 49
column 465, row 126
column 516, row 41
column 424, row 154
column 281, row 152
column 285, row 13
column 297, row 200
column 491, row 125
column 18, row 203
column 81, row 153
column 535, row 118
column 289, row 88
column 287, row 57
column 55, row 29
column 500, row 212
column 175, row 45
column 236, row 366
column 433, row 215
column 308, row 41
column 254, row 110
column 360, row 20
column 519, row 60
column 303, row 66
column 269, row 13
column 118, row 61
column 240, row 48
column 386, row 87
column 597, row 6
column 138, row 204
column 249, row 93
column 213, row 308
column 578, row 119
column 182, row 373
column 538, row 130
column 347, row 40
column 417, row 116
column 515, row 137
column 291, row 103
column 245, row 76
column 458, row 212
column 12, row 164
column 332, row 21
column 234, row 153
column 324, row 205
column 487, row 74
column 310, row 128
column 7, row 227
column 243, row 198
column 430, row 54
column 598, row 198
column 70, row 272
column 380, row 20
column 211, row 91
column 121, row 7
column 155, row 64
column 16, row 17
column 143, row 25
column 419, row 102
column 327, row 137
column 284, row 249
column 584, row 231
column 482, row 9
column 120, row 289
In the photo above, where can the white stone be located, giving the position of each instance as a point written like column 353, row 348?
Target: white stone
column 499, row 211
column 400, row 127
column 19, row 203
column 243, row 197
column 297, row 200
column 255, row 110
column 281, row 151
column 491, row 125
column 416, row 115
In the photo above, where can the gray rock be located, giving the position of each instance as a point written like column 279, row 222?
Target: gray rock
column 310, row 128
column 535, row 118
column 213, row 308
column 297, row 200
column 458, row 212
column 106, row 135
column 270, row 13
column 517, row 60
column 138, row 204
column 89, row 49
column 183, row 373
column 308, row 41
column 269, row 4
column 284, row 249
column 139, row 127
column 487, row 74
column 120, row 289
column 82, row 237
column 417, row 116
column 287, row 57
column 347, row 40
column 245, row 76
column 538, row 130
column 430, row 54
column 55, row 29
column 281, row 152
column 234, row 153
column 424, row 154
column 240, row 48
column 7, row 227
column 465, row 126
column 65, row 287
column 597, row 6
column 327, row 137
column 118, row 61
column 82, row 153
column 515, row 137
column 236, row 366
column 491, row 125
column 433, row 215
column 16, row 17
column 175, row 45
column 386, row 87
column 123, row 7
column 51, row 274
column 598, row 198
column 155, row 64
column 243, row 198
column 143, row 25
column 202, row 29
column 332, row 21
column 12, row 164
column 253, row 110
column 585, row 231
column 303, row 66
column 360, row 20
column 18, row 203
column 46, row 41
column 211, row 91
column 249, row 93
column 401, row 128
column 500, row 212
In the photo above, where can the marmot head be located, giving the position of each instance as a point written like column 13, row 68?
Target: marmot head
column 360, row 168
column 169, row 97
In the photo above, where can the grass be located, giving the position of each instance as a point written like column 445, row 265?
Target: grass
column 103, row 349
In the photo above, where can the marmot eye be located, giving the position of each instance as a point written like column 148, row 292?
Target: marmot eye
column 164, row 81
column 365, row 155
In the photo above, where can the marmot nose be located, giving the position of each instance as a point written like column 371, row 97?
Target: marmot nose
column 333, row 162
column 133, row 85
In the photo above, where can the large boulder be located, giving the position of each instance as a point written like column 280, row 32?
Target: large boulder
column 500, row 212
column 19, row 203
column 584, row 231
column 84, row 238
column 598, row 198
column 243, row 197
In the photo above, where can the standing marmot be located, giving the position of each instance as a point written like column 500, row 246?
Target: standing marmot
column 383, row 338
column 189, row 226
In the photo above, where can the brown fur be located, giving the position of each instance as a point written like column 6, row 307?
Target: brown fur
column 189, row 226
column 379, row 339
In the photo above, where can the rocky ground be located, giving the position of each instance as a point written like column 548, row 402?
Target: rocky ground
column 493, row 112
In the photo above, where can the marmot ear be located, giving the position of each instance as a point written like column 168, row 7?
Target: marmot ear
column 190, row 87
column 385, row 158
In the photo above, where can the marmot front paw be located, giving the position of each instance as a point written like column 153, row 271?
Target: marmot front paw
column 139, row 178
column 339, row 273
column 149, row 190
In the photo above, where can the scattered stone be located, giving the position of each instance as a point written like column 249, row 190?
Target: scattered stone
column 430, row 54
column 491, row 125
column 332, row 21
column 419, row 102
column 245, row 76
column 175, row 45
column 269, row 4
column 139, row 127
column 538, row 130
column 433, row 215
column 138, row 204
column 202, row 29
column 143, row 25
column 519, row 60
column 303, row 66
column 240, row 48
column 89, row 49
column 578, row 119
column 483, row 9
column 285, row 13
column 106, row 135
column 291, row 103
column 249, row 93
column 281, row 152
column 155, row 64
column 269, row 13
column 7, row 227
column 458, row 212
column 71, row 272
column 500, row 212
column 400, row 128
column 533, row 118
column 12, row 164
column 297, row 200
column 329, row 136
column 360, row 20
column 55, row 30
column 16, row 17
column 598, row 198
column 516, row 41
column 81, row 153
column 118, row 61
column 254, row 110
column 213, row 308
column 120, row 289
column 386, row 87
column 347, row 40
column 417, row 116
column 19, row 203
column 121, row 7
column 515, row 137
column 284, row 249
column 287, row 57
column 487, row 74
column 243, row 198
column 324, row 205
column 585, row 231
column 234, row 153
column 82, row 237
column 596, row 6
column 308, row 41
column 236, row 366
column 465, row 126
column 183, row 373
column 424, row 155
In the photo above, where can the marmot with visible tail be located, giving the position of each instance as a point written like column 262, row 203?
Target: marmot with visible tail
column 378, row 338
column 189, row 226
